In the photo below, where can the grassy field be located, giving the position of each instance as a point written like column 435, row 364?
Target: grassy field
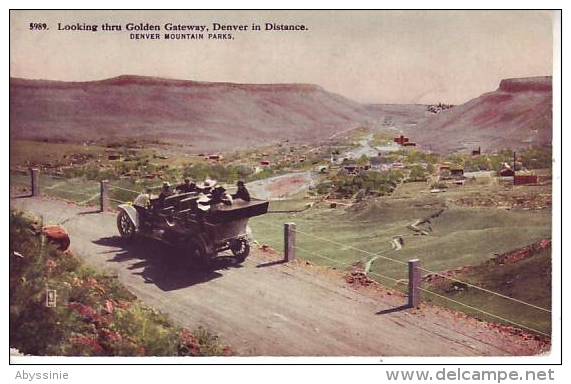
column 528, row 280
column 78, row 190
column 460, row 237
column 24, row 152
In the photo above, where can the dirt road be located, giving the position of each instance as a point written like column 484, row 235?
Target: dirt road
column 280, row 187
column 274, row 309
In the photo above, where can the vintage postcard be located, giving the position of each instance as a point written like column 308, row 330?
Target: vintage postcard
column 319, row 184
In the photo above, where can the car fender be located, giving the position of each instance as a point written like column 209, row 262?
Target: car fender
column 131, row 212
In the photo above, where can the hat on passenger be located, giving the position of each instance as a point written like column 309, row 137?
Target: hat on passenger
column 208, row 183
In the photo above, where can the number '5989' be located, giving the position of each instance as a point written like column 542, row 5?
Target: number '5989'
column 38, row 26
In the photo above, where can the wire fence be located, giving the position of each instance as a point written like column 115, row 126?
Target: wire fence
column 76, row 190
column 123, row 189
column 85, row 192
column 482, row 311
column 356, row 258
column 386, row 253
column 335, row 261
column 485, row 290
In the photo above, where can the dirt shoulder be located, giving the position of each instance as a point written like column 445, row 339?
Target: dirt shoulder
column 264, row 308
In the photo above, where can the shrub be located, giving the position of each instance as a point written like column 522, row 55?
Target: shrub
column 438, row 185
column 417, row 173
column 371, row 183
column 95, row 315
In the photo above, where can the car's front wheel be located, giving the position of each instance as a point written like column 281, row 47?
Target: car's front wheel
column 125, row 225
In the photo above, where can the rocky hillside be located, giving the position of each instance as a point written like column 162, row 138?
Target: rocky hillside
column 204, row 115
column 518, row 114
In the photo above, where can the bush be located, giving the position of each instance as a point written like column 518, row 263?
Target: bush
column 323, row 188
column 438, row 185
column 416, row 156
column 95, row 315
column 372, row 183
column 417, row 173
column 229, row 174
column 535, row 158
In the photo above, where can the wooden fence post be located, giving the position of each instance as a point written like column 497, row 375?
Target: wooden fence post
column 35, row 181
column 414, row 281
column 289, row 242
column 104, row 196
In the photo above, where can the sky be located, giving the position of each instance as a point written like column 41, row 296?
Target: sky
column 368, row 56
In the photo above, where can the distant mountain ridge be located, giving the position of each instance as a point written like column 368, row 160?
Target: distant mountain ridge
column 205, row 115
column 158, row 81
column 518, row 114
column 223, row 116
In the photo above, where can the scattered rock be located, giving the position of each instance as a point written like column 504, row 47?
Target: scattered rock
column 358, row 278
column 56, row 234
column 519, row 254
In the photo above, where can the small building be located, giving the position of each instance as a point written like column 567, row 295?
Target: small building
column 401, row 140
column 265, row 163
column 525, row 179
column 351, row 169
column 477, row 152
column 456, row 172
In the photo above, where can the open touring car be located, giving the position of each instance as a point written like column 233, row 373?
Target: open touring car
column 200, row 234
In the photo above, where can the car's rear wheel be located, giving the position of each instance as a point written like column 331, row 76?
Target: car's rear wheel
column 125, row 225
column 240, row 248
column 198, row 252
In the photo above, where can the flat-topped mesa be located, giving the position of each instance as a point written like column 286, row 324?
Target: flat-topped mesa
column 524, row 84
column 149, row 80
column 130, row 80
column 208, row 116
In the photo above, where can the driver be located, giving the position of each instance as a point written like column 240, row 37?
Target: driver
column 142, row 204
column 187, row 186
column 166, row 191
